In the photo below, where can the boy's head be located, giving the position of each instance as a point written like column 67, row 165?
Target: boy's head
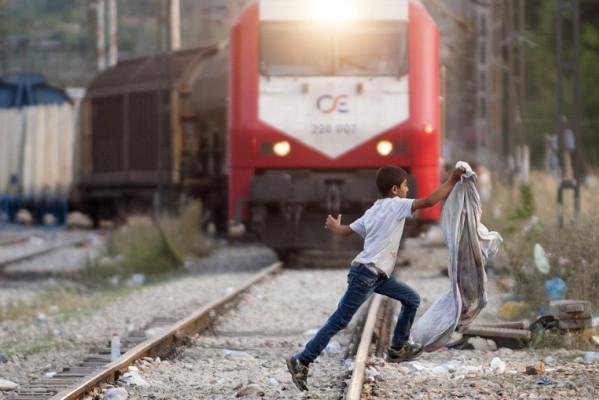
column 388, row 176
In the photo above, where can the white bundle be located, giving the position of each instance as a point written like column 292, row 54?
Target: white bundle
column 470, row 246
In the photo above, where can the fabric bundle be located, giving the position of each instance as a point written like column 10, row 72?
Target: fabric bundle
column 471, row 245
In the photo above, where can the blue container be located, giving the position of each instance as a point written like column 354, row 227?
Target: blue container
column 555, row 289
column 27, row 89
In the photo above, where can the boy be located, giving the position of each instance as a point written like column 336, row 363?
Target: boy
column 381, row 226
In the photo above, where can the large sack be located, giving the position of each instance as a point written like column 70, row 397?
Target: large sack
column 470, row 246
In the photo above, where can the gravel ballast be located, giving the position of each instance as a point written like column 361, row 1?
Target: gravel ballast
column 242, row 355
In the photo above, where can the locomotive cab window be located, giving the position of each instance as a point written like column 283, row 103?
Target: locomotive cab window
column 376, row 48
column 295, row 49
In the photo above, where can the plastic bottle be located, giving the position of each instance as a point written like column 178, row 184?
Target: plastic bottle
column 115, row 347
column 117, row 393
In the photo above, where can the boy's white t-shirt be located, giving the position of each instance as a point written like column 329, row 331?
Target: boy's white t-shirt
column 381, row 226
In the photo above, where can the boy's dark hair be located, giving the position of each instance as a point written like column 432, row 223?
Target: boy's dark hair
column 388, row 176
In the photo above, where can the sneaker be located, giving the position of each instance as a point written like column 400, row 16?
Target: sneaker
column 406, row 352
column 299, row 373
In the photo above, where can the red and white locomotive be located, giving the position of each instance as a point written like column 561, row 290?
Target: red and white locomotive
column 323, row 93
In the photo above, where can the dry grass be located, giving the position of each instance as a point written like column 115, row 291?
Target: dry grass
column 554, row 339
column 509, row 202
column 151, row 247
column 60, row 304
column 145, row 246
column 527, row 215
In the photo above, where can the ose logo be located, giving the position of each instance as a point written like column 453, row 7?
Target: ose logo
column 327, row 103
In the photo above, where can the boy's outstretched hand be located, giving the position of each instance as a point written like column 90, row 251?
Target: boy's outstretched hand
column 332, row 224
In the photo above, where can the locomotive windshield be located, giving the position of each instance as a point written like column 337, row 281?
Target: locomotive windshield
column 376, row 48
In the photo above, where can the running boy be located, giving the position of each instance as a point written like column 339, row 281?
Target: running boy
column 381, row 226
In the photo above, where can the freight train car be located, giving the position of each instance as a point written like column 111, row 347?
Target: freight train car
column 323, row 93
column 153, row 129
column 37, row 150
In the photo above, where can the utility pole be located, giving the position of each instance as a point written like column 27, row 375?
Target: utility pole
column 515, row 146
column 112, row 34
column 568, row 112
column 96, row 9
column 168, row 39
column 483, row 15
column 168, row 25
column 102, row 16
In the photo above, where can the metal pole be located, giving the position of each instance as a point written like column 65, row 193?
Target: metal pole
column 576, row 97
column 112, row 33
column 568, row 115
column 100, row 7
column 522, row 67
column 511, row 106
column 168, row 38
column 162, row 44
column 560, row 91
column 174, row 25
column 518, row 75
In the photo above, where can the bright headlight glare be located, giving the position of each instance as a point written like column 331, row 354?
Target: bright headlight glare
column 331, row 10
column 384, row 147
column 282, row 148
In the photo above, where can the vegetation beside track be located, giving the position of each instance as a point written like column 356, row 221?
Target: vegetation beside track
column 527, row 215
column 153, row 247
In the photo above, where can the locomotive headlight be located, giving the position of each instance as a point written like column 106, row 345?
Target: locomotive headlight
column 384, row 147
column 428, row 129
column 282, row 148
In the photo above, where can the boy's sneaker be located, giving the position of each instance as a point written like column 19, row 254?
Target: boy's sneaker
column 299, row 373
column 408, row 351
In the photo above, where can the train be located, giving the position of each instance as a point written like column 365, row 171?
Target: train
column 36, row 149
column 153, row 129
column 285, row 122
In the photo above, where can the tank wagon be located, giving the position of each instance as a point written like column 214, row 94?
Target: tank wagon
column 154, row 129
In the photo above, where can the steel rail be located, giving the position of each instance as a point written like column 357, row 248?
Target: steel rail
column 156, row 345
column 13, row 240
column 354, row 390
column 49, row 249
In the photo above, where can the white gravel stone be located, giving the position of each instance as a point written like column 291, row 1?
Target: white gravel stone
column 203, row 371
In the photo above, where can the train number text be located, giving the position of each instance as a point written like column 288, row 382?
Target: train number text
column 324, row 129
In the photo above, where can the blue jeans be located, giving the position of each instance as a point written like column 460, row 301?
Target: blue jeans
column 361, row 283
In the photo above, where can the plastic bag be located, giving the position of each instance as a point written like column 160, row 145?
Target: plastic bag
column 470, row 246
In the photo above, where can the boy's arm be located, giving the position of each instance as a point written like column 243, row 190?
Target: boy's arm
column 440, row 193
column 334, row 225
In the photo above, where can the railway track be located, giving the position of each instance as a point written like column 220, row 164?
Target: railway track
column 240, row 348
column 219, row 332
column 11, row 238
column 15, row 248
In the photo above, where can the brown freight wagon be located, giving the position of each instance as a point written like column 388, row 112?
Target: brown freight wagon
column 154, row 129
